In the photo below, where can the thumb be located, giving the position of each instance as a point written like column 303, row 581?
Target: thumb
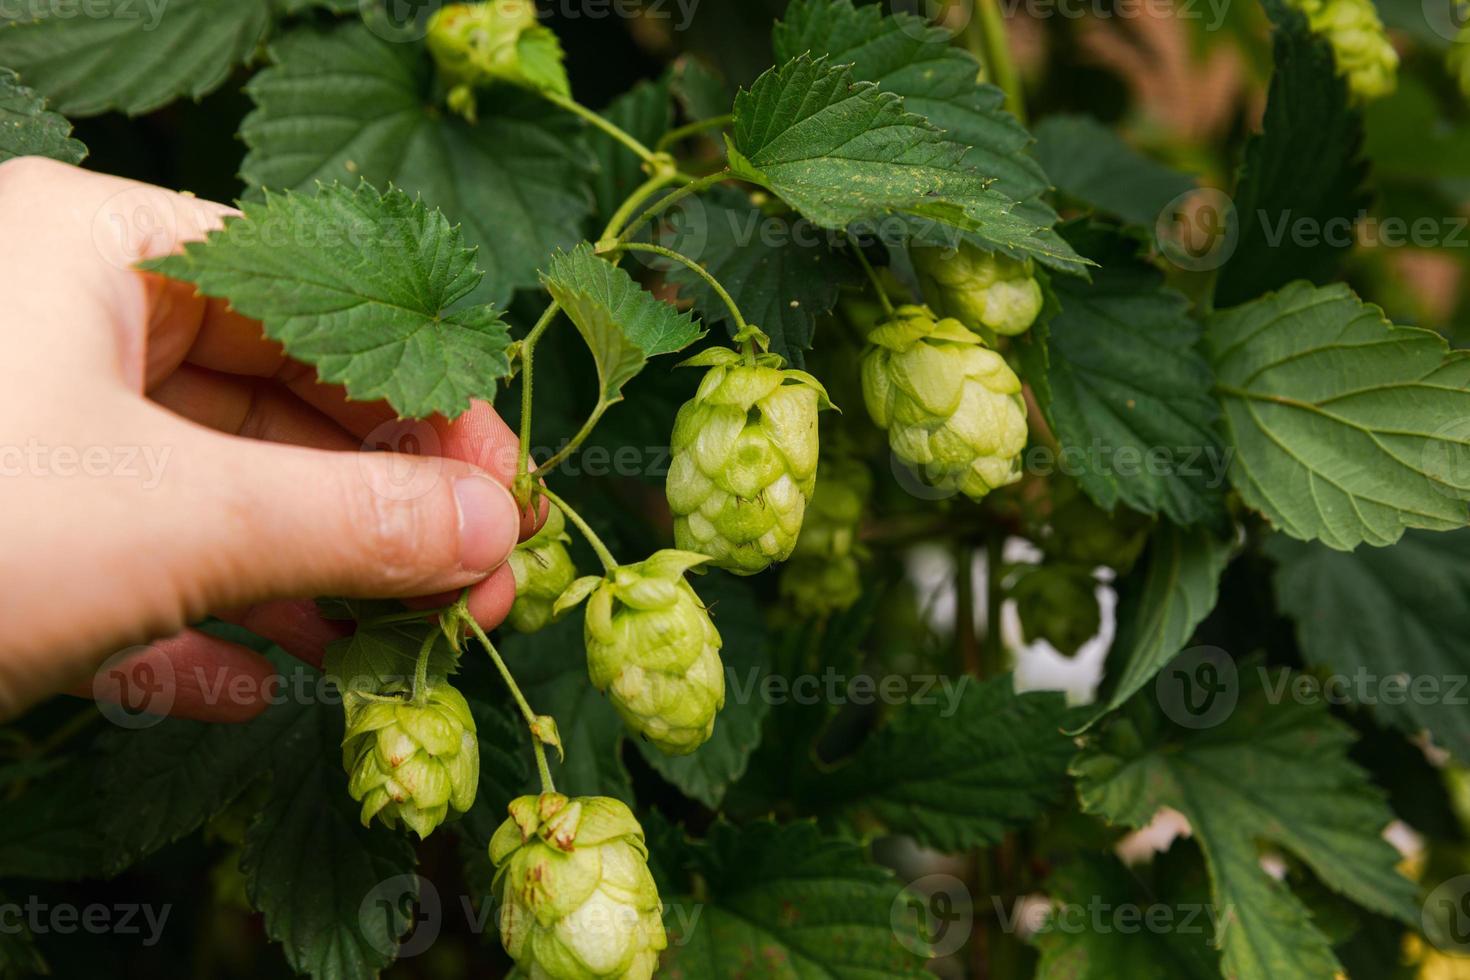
column 286, row 521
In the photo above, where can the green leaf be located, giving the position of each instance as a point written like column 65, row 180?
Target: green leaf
column 28, row 129
column 1345, row 428
column 551, row 668
column 1090, row 162
column 1159, row 606
column 333, row 892
column 922, row 776
column 1275, row 772
column 699, row 89
column 128, row 55
column 623, row 324
column 380, row 654
column 841, row 151
column 910, row 57
column 51, row 830
column 361, row 287
column 1097, row 930
column 1388, row 615
column 781, row 271
column 786, row 901
column 1297, row 173
column 160, row 784
column 19, row 956
column 707, row 772
column 341, row 104
column 1125, row 389
column 644, row 112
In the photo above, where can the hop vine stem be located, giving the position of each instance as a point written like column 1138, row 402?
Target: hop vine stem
column 616, row 132
column 697, row 269
column 603, row 554
column 543, row 767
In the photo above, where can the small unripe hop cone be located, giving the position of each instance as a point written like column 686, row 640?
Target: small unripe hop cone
column 823, row 575
column 652, row 648
column 952, row 407
column 411, row 761
column 576, row 898
column 744, row 460
column 543, row 570
column 987, row 292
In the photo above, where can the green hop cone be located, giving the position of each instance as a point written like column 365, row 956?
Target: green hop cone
column 1458, row 59
column 652, row 648
column 479, row 44
column 408, row 761
column 986, row 291
column 1080, row 532
column 577, row 901
column 1360, row 45
column 1058, row 604
column 823, row 575
column 952, row 407
column 744, row 460
column 543, row 569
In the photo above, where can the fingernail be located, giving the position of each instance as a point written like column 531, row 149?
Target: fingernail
column 489, row 523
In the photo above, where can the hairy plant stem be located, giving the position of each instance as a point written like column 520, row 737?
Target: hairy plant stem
column 868, row 270
column 543, row 768
column 603, row 555
column 658, row 207
column 421, row 670
column 575, row 441
column 988, row 31
column 522, row 485
column 661, row 178
column 698, row 270
column 616, row 132
column 673, row 136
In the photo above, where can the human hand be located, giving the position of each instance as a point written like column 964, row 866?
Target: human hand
column 160, row 460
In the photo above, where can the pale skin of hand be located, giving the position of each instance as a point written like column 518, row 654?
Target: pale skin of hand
column 161, row 461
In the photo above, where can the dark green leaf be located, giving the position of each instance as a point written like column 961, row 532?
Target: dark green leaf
column 782, row 271
column 129, row 55
column 333, row 892
column 342, row 104
column 1392, row 625
column 28, row 129
column 19, row 956
column 52, row 829
column 1345, row 428
column 1090, row 162
column 921, row 775
column 1125, row 389
column 1159, row 606
column 786, row 901
column 1274, row 772
column 1304, row 170
column 360, row 286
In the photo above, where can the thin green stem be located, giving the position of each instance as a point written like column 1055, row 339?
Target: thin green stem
column 668, row 200
column 421, row 669
column 616, row 132
column 586, row 430
column 603, row 555
column 635, row 200
column 695, row 268
column 520, row 699
column 993, row 661
column 988, row 29
column 673, row 136
column 528, row 353
column 868, row 270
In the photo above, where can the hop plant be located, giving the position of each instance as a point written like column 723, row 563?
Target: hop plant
column 1058, row 604
column 576, row 898
column 652, row 648
column 1080, row 532
column 1360, row 45
column 477, row 44
column 1458, row 59
column 823, row 575
column 411, row 760
column 951, row 405
column 543, row 570
column 744, row 460
column 986, row 291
